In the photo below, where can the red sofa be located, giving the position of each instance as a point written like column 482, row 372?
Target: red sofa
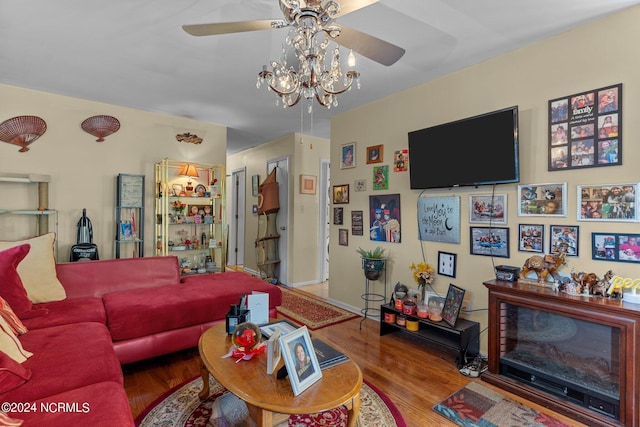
column 115, row 312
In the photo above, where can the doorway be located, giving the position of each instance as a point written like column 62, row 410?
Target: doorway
column 237, row 219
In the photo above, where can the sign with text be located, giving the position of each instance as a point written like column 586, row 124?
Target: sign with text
column 439, row 219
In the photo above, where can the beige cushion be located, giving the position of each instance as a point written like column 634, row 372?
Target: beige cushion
column 38, row 269
column 10, row 344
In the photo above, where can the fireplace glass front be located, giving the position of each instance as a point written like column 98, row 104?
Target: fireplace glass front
column 573, row 358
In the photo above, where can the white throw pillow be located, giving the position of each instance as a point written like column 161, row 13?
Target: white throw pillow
column 38, row 269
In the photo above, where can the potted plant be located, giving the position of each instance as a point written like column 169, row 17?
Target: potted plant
column 373, row 262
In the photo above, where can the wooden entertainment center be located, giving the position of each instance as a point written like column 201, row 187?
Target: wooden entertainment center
column 576, row 355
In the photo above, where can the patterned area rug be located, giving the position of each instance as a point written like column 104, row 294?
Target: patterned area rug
column 181, row 407
column 308, row 310
column 476, row 405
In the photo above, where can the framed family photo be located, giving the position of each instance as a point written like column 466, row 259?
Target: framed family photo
column 348, row 155
column 490, row 241
column 531, row 238
column 564, row 238
column 341, row 193
column 300, row 359
column 608, row 202
column 374, row 154
column 621, row 247
column 542, row 199
column 488, row 208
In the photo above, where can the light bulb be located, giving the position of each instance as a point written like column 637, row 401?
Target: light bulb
column 351, row 59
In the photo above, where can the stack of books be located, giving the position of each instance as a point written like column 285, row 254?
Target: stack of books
column 327, row 355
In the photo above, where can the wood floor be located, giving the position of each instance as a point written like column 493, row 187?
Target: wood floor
column 413, row 375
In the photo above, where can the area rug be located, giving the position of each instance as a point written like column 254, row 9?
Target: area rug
column 181, row 407
column 475, row 405
column 308, row 310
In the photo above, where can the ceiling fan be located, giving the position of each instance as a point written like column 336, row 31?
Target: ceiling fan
column 300, row 14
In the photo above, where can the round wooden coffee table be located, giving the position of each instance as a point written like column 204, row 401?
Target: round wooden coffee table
column 271, row 400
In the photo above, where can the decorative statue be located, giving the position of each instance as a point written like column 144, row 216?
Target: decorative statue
column 602, row 285
column 543, row 266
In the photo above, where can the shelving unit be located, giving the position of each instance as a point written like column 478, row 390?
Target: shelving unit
column 129, row 215
column 187, row 213
column 267, row 246
column 463, row 339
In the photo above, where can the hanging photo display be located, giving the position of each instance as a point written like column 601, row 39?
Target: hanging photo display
column 585, row 129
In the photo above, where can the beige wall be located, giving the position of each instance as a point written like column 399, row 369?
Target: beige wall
column 304, row 154
column 84, row 171
column 593, row 56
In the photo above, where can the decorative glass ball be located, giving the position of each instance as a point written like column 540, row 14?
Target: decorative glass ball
column 246, row 336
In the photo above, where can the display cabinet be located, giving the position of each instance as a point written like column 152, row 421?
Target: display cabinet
column 190, row 215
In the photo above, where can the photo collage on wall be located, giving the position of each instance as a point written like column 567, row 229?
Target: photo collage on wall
column 585, row 129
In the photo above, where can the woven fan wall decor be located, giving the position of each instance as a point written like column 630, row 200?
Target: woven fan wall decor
column 22, row 131
column 101, row 126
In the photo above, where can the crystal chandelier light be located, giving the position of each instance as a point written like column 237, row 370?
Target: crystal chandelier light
column 310, row 35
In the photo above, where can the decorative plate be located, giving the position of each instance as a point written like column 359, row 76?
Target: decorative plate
column 200, row 188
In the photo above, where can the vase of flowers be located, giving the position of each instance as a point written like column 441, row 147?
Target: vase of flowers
column 424, row 275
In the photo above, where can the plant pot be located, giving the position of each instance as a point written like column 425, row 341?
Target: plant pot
column 373, row 267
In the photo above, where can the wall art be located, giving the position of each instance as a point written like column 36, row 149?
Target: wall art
column 585, row 129
column 338, row 216
column 343, row 237
column 446, row 264
column 384, row 218
column 360, row 185
column 308, row 184
column 622, row 247
column 341, row 193
column 452, row 304
column 488, row 208
column 542, row 199
column 489, row 241
column 357, row 223
column 374, row 154
column 348, row 155
column 439, row 219
column 608, row 202
column 564, row 238
column 381, row 177
column 531, row 238
column 401, row 160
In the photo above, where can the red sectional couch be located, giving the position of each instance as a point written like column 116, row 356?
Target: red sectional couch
column 115, row 312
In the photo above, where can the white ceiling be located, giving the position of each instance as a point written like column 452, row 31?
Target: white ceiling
column 134, row 53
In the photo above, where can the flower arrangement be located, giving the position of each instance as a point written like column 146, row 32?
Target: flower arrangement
column 424, row 275
column 178, row 206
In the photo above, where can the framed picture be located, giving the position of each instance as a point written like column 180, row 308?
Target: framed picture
column 384, row 218
column 308, row 184
column 300, row 359
column 439, row 219
column 357, row 223
column 608, row 202
column 401, row 160
column 360, row 185
column 622, row 247
column 255, row 182
column 374, row 154
column 585, row 129
column 126, row 231
column 348, row 155
column 564, row 238
column 447, row 264
column 282, row 326
column 343, row 237
column 338, row 215
column 381, row 177
column 542, row 199
column 488, row 208
column 341, row 193
column 273, row 352
column 490, row 241
column 452, row 304
column 531, row 238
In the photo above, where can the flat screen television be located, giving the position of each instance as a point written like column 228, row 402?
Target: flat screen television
column 479, row 150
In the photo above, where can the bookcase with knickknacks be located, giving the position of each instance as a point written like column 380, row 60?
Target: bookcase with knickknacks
column 190, row 215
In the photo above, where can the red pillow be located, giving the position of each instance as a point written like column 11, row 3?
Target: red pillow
column 12, row 373
column 11, row 287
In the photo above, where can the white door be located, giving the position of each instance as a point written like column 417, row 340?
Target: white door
column 324, row 216
column 282, row 176
column 237, row 219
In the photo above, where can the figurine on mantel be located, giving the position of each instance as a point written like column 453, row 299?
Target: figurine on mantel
column 587, row 284
column 543, row 266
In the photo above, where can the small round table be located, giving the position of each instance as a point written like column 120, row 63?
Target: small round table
column 268, row 399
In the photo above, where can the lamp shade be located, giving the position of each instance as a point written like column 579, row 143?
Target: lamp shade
column 189, row 170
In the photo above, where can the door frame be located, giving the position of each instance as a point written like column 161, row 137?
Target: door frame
column 237, row 219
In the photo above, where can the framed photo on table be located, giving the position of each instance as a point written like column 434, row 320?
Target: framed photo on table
column 300, row 359
column 452, row 305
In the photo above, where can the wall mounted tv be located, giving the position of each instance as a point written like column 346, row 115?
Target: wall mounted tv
column 479, row 150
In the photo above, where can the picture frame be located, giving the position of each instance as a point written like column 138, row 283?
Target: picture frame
column 447, row 264
column 531, row 238
column 295, row 346
column 488, row 208
column 341, row 194
column 348, row 155
column 548, row 199
column 452, row 304
column 489, row 241
column 343, row 237
column 619, row 247
column 381, row 177
column 283, row 326
column 564, row 238
column 375, row 154
column 357, row 223
column 608, row 202
column 308, row 184
column 385, row 222
column 439, row 219
column 126, row 231
column 255, row 182
column 360, row 185
column 273, row 352
column 338, row 216
column 401, row 160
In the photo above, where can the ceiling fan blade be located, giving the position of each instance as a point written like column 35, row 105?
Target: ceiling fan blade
column 372, row 47
column 229, row 27
column 348, row 6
